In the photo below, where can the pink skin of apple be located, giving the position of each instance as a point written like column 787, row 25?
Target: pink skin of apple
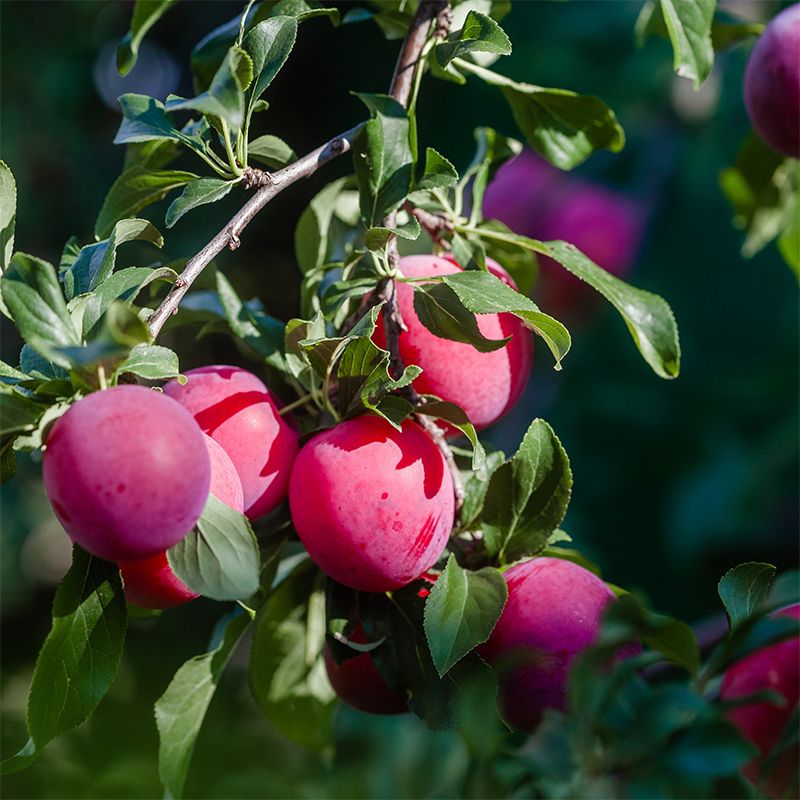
column 772, row 83
column 126, row 472
column 359, row 684
column 150, row 582
column 553, row 612
column 775, row 668
column 484, row 385
column 238, row 412
column 372, row 505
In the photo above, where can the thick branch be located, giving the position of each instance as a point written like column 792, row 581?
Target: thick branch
column 229, row 235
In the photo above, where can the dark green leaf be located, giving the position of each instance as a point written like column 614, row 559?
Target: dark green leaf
column 152, row 154
column 198, row 192
column 382, row 158
column 272, row 151
column 712, row 748
column 484, row 293
column 311, row 234
column 441, row 311
column 461, row 611
column 145, row 119
column 743, row 590
column 480, row 34
column 224, row 98
column 439, row 172
column 219, row 557
column 33, row 295
column 135, row 189
column 18, row 411
column 269, row 44
column 378, row 237
column 79, row 659
column 95, row 262
column 145, row 14
column 689, row 25
column 181, row 709
column 527, row 496
column 287, row 673
column 762, row 188
column 563, row 126
column 455, row 415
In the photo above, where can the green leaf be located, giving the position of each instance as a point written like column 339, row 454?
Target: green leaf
column 225, row 96
column 648, row 317
column 484, row 293
column 378, row 237
column 79, row 659
column 563, row 126
column 272, row 151
column 689, row 26
column 627, row 620
column 743, row 590
column 95, row 262
column 135, row 189
column 305, row 9
column 125, row 284
column 287, row 672
column 145, row 14
column 461, row 612
column 152, row 362
column 762, row 187
column 441, row 311
column 480, row 34
column 199, row 192
column 382, row 158
column 269, row 44
column 527, row 496
column 439, row 172
column 180, row 711
column 265, row 335
column 152, row 154
column 219, row 557
column 145, row 119
column 32, row 294
column 492, row 151
column 18, row 411
column 311, row 234
column 8, row 217
column 455, row 415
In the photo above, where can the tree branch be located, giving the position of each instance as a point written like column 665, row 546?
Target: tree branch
column 229, row 235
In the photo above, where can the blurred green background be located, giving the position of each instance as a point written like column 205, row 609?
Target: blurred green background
column 675, row 482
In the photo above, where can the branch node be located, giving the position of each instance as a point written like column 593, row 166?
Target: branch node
column 253, row 178
column 337, row 145
column 233, row 239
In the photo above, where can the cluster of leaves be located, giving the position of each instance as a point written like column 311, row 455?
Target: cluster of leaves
column 83, row 332
column 649, row 724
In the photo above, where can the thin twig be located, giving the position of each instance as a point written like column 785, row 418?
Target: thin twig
column 435, row 224
column 229, row 235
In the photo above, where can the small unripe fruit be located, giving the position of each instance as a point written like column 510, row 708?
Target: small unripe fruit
column 772, row 83
column 775, row 668
column 372, row 505
column 238, row 412
column 150, row 582
column 553, row 612
column 485, row 385
column 127, row 472
column 360, row 685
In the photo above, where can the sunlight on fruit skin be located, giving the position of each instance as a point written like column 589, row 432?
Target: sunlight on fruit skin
column 235, row 409
column 359, row 684
column 150, row 582
column 372, row 505
column 127, row 472
column 777, row 668
column 552, row 614
column 772, row 83
column 485, row 385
